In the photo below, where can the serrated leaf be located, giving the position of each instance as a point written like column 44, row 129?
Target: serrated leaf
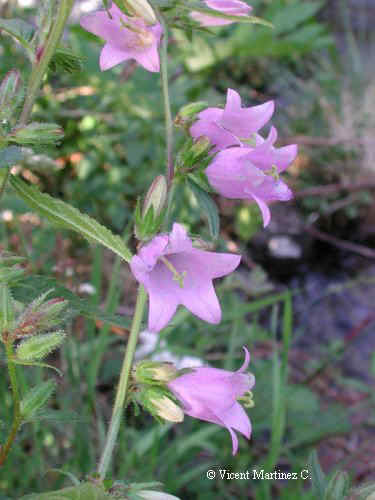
column 11, row 156
column 19, row 29
column 36, row 398
column 66, row 216
column 208, row 207
column 39, row 346
column 85, row 491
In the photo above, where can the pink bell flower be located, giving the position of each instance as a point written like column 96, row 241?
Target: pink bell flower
column 227, row 127
column 174, row 272
column 253, row 173
column 126, row 38
column 228, row 7
column 211, row 394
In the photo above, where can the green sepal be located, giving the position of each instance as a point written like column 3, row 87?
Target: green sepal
column 36, row 398
column 39, row 346
column 208, row 207
column 65, row 59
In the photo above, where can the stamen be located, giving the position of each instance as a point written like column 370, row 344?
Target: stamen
column 179, row 277
column 273, row 172
column 247, row 400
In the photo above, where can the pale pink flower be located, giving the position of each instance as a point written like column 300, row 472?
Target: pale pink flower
column 211, row 394
column 174, row 272
column 126, row 38
column 228, row 7
column 253, row 173
column 227, row 127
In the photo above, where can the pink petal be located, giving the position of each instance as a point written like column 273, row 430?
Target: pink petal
column 218, row 264
column 266, row 214
column 246, row 362
column 162, row 307
column 111, row 56
column 243, row 122
column 179, row 240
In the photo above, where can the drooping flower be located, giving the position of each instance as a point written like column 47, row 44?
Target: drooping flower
column 253, row 173
column 126, row 38
column 229, row 126
column 228, row 7
column 211, row 394
column 174, row 272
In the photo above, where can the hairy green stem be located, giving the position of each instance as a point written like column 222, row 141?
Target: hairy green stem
column 123, row 385
column 40, row 66
column 16, row 402
column 167, row 104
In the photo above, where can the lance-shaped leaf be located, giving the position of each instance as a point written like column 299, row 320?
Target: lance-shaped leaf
column 36, row 398
column 39, row 346
column 66, row 216
column 19, row 29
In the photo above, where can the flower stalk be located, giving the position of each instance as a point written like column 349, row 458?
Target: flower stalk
column 4, row 451
column 166, row 99
column 123, row 385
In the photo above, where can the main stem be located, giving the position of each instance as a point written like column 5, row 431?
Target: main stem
column 167, row 104
column 16, row 402
column 40, row 66
column 123, row 385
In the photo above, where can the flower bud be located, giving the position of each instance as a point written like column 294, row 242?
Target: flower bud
column 155, row 495
column 149, row 218
column 190, row 110
column 158, row 402
column 156, row 196
column 36, row 133
column 40, row 316
column 39, row 346
column 167, row 409
column 141, row 8
column 149, row 372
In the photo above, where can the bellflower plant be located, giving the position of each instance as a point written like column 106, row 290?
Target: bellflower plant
column 228, row 7
column 211, row 394
column 170, row 270
column 174, row 272
column 126, row 38
column 229, row 126
column 253, row 173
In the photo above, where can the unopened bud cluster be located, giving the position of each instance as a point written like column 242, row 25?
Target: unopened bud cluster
column 151, row 379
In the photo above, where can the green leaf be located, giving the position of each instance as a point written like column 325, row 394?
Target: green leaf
column 85, row 491
column 66, row 60
column 19, row 29
column 66, row 216
column 208, row 207
column 39, row 346
column 318, row 480
column 6, row 309
column 36, row 398
column 338, row 486
column 11, row 155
